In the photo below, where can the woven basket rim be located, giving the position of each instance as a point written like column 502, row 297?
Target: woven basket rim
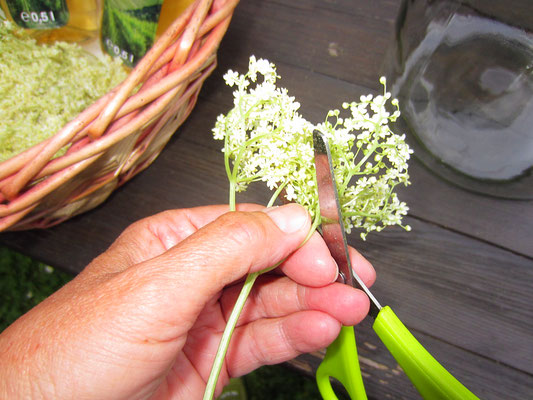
column 172, row 71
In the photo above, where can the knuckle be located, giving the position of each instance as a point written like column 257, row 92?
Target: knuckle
column 267, row 352
column 302, row 296
column 246, row 228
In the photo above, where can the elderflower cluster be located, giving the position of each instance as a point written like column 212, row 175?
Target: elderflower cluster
column 266, row 139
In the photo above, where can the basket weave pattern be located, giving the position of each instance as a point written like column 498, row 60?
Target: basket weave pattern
column 121, row 133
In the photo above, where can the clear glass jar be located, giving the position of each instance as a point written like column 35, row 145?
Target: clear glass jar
column 463, row 73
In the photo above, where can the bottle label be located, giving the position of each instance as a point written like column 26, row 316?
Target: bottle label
column 39, row 14
column 129, row 27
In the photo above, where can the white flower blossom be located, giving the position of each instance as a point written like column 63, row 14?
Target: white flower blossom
column 266, row 139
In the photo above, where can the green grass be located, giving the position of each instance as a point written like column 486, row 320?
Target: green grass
column 25, row 282
column 277, row 382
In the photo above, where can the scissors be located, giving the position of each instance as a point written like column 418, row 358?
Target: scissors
column 429, row 377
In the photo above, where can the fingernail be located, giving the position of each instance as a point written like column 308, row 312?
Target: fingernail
column 289, row 218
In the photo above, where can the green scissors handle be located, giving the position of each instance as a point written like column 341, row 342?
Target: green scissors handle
column 341, row 362
column 429, row 377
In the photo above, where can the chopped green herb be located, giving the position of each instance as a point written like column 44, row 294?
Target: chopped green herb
column 42, row 87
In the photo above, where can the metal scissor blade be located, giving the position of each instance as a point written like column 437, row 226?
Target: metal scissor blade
column 332, row 223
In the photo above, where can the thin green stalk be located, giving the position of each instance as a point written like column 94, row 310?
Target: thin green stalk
column 226, row 336
column 232, row 201
column 232, row 321
column 276, row 194
column 367, row 156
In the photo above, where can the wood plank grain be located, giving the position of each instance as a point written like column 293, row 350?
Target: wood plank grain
column 515, row 12
column 465, row 291
column 341, row 39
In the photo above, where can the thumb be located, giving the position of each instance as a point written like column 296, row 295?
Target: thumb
column 223, row 251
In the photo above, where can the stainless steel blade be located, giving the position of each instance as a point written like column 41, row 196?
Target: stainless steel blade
column 332, row 224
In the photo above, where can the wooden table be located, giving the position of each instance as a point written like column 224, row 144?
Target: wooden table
column 461, row 280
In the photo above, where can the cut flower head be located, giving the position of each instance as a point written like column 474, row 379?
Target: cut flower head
column 266, row 139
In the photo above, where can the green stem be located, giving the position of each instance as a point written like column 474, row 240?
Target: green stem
column 232, row 201
column 232, row 321
column 367, row 156
column 276, row 194
column 226, row 336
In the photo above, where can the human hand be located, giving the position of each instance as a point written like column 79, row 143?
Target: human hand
column 144, row 319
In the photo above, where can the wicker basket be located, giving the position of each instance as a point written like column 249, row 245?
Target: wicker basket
column 121, row 133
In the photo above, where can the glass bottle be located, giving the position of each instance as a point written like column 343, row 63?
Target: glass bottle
column 52, row 20
column 130, row 27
